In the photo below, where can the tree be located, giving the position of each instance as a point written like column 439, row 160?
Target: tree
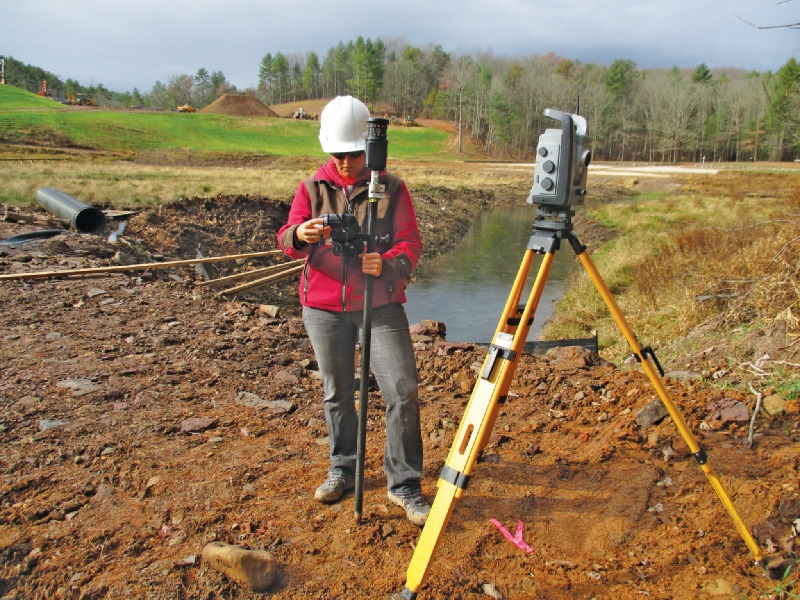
column 159, row 96
column 203, row 89
column 220, row 84
column 620, row 81
column 336, row 69
column 180, row 89
column 280, row 77
column 784, row 106
column 311, row 76
column 458, row 77
column 265, row 78
column 368, row 69
column 702, row 74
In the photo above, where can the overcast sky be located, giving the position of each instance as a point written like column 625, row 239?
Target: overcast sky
column 127, row 44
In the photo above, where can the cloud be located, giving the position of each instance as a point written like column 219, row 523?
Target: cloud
column 133, row 44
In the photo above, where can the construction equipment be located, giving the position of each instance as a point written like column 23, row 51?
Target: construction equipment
column 43, row 92
column 186, row 108
column 80, row 99
column 301, row 114
column 559, row 181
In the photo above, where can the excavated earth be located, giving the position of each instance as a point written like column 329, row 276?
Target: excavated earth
column 145, row 416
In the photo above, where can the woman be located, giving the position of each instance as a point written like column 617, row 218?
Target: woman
column 332, row 294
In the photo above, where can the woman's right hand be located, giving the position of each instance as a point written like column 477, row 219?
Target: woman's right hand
column 310, row 232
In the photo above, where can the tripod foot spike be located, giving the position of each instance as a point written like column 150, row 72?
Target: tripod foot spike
column 406, row 594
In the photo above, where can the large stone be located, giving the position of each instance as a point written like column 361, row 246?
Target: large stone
column 255, row 569
column 773, row 404
column 738, row 413
column 651, row 414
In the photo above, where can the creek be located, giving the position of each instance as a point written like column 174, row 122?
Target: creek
column 467, row 288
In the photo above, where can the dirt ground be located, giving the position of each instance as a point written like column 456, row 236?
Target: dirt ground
column 144, row 417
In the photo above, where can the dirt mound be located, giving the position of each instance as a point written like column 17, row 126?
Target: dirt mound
column 239, row 105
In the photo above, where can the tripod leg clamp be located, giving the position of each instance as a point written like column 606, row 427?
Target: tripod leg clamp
column 652, row 354
column 453, row 477
column 496, row 351
column 700, row 456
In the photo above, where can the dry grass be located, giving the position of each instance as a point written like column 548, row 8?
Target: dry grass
column 125, row 185
column 156, row 178
column 712, row 254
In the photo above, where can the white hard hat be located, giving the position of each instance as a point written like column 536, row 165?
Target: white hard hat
column 343, row 125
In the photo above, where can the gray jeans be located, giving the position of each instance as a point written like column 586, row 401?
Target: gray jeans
column 333, row 336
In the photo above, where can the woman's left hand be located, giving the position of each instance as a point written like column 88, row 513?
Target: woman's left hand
column 372, row 264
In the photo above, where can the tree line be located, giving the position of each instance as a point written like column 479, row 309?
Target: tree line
column 496, row 103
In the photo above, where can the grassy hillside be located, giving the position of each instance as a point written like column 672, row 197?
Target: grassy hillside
column 25, row 119
column 13, row 98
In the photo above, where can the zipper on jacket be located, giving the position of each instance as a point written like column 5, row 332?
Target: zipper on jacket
column 305, row 279
column 344, row 283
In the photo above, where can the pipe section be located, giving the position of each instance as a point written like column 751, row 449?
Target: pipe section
column 82, row 217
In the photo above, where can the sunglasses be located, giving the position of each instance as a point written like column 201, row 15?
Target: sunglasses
column 342, row 155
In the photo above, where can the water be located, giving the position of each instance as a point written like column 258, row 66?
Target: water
column 467, row 288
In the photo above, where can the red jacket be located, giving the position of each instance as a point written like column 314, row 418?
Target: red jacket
column 336, row 283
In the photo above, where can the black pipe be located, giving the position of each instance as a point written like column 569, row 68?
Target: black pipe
column 84, row 218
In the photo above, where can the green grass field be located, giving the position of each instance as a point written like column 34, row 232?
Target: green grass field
column 26, row 118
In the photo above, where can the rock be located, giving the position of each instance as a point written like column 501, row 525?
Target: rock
column 286, row 377
column 421, row 339
column 197, row 424
column 651, row 414
column 436, row 327
column 490, row 590
column 738, row 413
column 79, row 387
column 448, row 348
column 268, row 309
column 46, row 424
column 253, row 401
column 565, row 358
column 28, row 402
column 189, row 561
column 104, row 491
column 255, row 569
column 774, row 405
column 125, row 259
column 683, row 375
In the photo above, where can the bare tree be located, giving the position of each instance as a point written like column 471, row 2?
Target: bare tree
column 784, row 26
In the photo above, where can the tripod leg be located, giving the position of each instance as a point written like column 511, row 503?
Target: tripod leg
column 663, row 393
column 476, row 425
column 510, row 321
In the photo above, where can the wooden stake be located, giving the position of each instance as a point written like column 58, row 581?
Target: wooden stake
column 262, row 282
column 248, row 274
column 139, row 267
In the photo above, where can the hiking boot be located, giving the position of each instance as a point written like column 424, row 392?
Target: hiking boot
column 414, row 504
column 333, row 488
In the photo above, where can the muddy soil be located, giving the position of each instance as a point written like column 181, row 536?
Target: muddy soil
column 144, row 416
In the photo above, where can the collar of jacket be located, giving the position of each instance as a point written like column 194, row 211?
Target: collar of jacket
column 328, row 172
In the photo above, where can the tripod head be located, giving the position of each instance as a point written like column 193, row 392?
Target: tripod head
column 559, row 179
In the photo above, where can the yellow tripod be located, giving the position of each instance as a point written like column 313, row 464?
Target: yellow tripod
column 492, row 387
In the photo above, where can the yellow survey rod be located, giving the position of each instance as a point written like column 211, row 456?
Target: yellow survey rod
column 663, row 393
